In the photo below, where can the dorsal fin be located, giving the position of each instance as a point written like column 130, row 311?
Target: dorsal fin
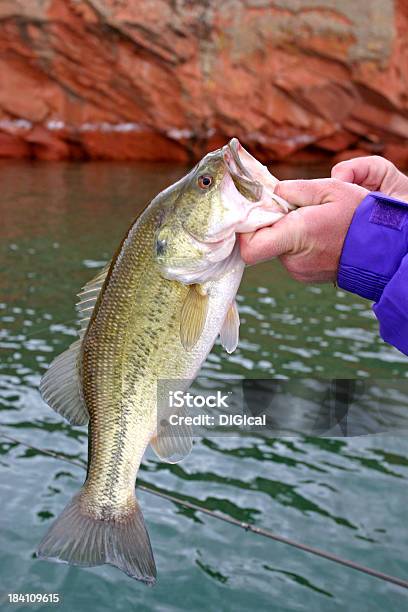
column 88, row 297
column 60, row 386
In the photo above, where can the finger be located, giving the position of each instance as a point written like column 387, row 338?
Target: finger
column 272, row 241
column 368, row 172
column 306, row 192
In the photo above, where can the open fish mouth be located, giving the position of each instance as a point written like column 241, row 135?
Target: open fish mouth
column 256, row 206
column 251, row 178
column 232, row 157
column 241, row 175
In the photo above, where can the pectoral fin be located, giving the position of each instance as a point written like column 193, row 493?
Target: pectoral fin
column 229, row 334
column 193, row 316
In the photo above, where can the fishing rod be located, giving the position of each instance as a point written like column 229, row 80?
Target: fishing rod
column 243, row 525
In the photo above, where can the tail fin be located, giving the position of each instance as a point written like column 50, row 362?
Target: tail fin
column 80, row 539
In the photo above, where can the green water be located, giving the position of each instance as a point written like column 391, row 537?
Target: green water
column 59, row 223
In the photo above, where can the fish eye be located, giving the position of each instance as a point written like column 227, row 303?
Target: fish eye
column 205, row 181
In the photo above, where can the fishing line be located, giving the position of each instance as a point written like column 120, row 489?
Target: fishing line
column 227, row 519
column 47, row 327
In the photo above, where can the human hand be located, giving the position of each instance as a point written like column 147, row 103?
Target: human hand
column 308, row 240
column 374, row 173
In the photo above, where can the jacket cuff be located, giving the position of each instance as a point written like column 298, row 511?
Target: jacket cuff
column 375, row 244
column 392, row 309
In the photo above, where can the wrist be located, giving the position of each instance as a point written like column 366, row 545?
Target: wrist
column 375, row 244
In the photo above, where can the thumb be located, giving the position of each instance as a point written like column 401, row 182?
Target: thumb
column 344, row 171
column 272, row 241
column 305, row 192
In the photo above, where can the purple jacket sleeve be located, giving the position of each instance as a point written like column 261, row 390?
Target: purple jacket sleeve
column 374, row 263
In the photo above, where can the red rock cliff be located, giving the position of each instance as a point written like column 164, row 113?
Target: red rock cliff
column 169, row 79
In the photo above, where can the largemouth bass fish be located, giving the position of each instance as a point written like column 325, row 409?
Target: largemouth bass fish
column 152, row 314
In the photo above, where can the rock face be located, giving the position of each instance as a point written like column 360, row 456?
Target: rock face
column 170, row 79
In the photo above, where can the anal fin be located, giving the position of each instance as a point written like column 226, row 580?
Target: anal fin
column 229, row 334
column 173, row 442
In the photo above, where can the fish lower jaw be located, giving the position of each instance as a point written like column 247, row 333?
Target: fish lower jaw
column 186, row 277
column 211, row 272
column 207, row 269
column 189, row 275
